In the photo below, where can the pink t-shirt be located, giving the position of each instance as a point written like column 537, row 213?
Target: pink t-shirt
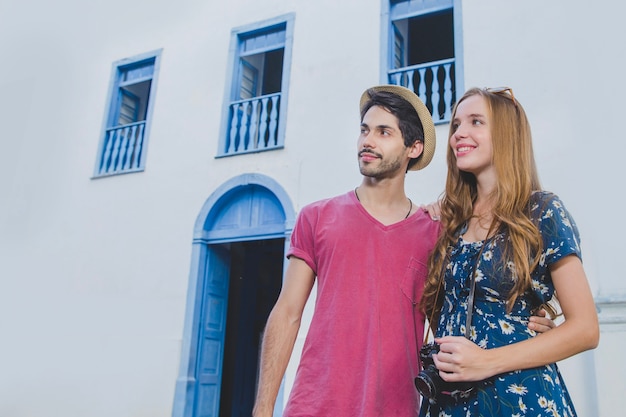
column 360, row 355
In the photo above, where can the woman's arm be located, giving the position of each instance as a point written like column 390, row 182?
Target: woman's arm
column 462, row 360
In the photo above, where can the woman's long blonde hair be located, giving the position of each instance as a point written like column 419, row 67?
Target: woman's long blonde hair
column 517, row 178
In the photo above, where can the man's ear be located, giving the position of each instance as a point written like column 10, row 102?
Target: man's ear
column 416, row 149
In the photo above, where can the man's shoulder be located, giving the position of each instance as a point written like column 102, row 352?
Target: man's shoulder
column 423, row 217
column 329, row 203
column 425, row 226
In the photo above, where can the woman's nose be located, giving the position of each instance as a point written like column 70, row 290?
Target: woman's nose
column 460, row 132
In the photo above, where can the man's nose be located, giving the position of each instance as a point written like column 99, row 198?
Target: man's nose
column 367, row 140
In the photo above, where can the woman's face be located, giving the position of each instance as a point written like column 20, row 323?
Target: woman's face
column 471, row 138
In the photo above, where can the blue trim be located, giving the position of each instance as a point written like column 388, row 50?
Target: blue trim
column 232, row 81
column 407, row 9
column 209, row 216
column 112, row 107
column 242, row 181
column 459, row 66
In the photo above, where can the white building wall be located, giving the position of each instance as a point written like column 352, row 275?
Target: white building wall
column 93, row 273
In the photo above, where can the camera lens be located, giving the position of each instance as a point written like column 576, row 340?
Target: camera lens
column 425, row 385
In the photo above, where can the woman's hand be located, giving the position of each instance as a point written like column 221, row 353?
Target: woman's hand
column 433, row 209
column 460, row 359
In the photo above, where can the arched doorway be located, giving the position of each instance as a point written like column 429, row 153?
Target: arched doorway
column 255, row 281
column 239, row 243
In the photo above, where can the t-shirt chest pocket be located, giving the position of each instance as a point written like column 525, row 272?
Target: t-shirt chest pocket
column 412, row 284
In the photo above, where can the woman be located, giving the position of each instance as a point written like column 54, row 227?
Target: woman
column 520, row 248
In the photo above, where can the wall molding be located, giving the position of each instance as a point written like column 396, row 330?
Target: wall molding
column 612, row 313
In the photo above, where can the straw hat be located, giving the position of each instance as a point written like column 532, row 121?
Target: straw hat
column 422, row 112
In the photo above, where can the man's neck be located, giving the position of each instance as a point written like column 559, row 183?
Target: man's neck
column 385, row 201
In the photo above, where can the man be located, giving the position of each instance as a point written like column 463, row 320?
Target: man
column 368, row 250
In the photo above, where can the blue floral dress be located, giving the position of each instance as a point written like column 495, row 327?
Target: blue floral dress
column 530, row 392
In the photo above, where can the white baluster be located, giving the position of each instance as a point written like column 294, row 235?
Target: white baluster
column 272, row 140
column 244, row 127
column 435, row 94
column 421, row 88
column 116, row 151
column 104, row 164
column 123, row 149
column 263, row 124
column 139, row 146
column 233, row 129
column 130, row 149
column 448, row 92
column 409, row 76
column 254, row 125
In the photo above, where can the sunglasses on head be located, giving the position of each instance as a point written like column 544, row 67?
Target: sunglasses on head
column 502, row 91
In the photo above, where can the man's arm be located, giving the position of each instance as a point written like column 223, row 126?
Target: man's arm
column 280, row 334
column 541, row 322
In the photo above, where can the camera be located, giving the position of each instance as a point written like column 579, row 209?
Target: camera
column 429, row 383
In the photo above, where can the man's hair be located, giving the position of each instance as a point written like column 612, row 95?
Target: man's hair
column 409, row 122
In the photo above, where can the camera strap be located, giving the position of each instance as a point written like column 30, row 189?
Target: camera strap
column 472, row 277
column 470, row 301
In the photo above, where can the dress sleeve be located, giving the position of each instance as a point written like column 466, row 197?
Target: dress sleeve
column 557, row 227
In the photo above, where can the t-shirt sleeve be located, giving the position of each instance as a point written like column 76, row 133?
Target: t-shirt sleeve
column 302, row 238
column 558, row 229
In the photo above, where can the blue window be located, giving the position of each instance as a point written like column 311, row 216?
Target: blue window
column 423, row 52
column 255, row 111
column 124, row 139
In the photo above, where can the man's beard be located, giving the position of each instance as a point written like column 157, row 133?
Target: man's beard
column 385, row 168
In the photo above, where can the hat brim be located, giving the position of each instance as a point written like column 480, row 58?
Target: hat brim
column 422, row 112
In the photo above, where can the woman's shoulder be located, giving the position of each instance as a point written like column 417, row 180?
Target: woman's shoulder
column 541, row 201
column 546, row 206
column 539, row 196
column 555, row 224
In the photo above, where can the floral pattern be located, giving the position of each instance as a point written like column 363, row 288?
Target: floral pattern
column 529, row 392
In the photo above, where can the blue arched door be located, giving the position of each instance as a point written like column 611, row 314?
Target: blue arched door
column 236, row 275
column 211, row 332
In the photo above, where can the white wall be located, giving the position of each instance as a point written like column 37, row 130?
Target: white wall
column 93, row 273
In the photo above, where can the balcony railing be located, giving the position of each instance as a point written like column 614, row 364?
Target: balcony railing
column 122, row 149
column 433, row 83
column 253, row 125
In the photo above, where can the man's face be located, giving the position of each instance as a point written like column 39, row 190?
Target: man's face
column 381, row 149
